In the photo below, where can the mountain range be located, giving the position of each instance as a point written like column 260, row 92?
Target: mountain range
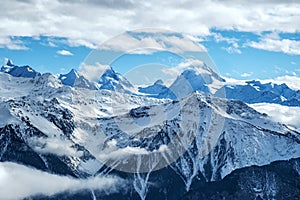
column 196, row 139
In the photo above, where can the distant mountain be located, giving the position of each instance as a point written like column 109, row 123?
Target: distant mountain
column 194, row 78
column 256, row 92
column 155, row 89
column 73, row 78
column 202, row 78
column 111, row 80
column 19, row 71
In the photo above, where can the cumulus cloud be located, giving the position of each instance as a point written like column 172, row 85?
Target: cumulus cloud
column 90, row 23
column 233, row 42
column 92, row 72
column 272, row 42
column 64, row 52
column 141, row 42
column 284, row 114
column 12, row 44
column 18, row 181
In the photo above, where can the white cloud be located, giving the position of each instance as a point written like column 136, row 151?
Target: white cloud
column 141, row 42
column 64, row 52
column 291, row 81
column 233, row 42
column 220, row 38
column 18, row 181
column 12, row 44
column 185, row 65
column 284, row 114
column 293, row 63
column 121, row 153
column 273, row 42
column 232, row 81
column 173, row 72
column 232, row 50
column 90, row 23
column 246, row 74
column 92, row 72
column 53, row 145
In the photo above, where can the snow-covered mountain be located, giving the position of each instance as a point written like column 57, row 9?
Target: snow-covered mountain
column 157, row 88
column 191, row 142
column 19, row 71
column 197, row 76
column 73, row 78
column 257, row 92
column 202, row 78
column 111, row 80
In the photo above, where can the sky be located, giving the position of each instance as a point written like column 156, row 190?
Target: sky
column 241, row 39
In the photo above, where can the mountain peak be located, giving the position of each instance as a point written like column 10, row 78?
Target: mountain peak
column 73, row 78
column 159, row 82
column 111, row 80
column 72, row 75
column 73, row 71
column 19, row 71
column 10, row 63
column 110, row 72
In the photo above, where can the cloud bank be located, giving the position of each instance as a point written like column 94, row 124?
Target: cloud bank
column 284, row 114
column 91, row 22
column 154, row 39
column 18, row 181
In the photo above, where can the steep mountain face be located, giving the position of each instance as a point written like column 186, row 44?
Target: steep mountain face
column 188, row 144
column 279, row 180
column 111, row 80
column 237, row 137
column 74, row 79
column 256, row 92
column 19, row 71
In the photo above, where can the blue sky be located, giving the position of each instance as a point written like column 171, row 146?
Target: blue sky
column 240, row 62
column 245, row 40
